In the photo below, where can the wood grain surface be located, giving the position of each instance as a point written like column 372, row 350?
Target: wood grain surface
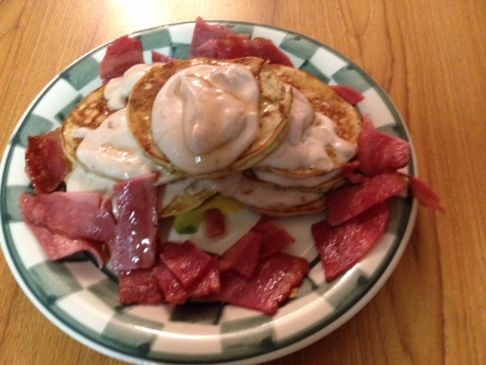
column 430, row 56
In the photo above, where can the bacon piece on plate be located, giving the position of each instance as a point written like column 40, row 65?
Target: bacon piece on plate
column 173, row 291
column 139, row 287
column 340, row 247
column 56, row 245
column 352, row 96
column 204, row 32
column 122, row 54
column 274, row 237
column 46, row 165
column 425, row 195
column 215, row 224
column 134, row 245
column 269, row 287
column 186, row 261
column 350, row 173
column 379, row 152
column 74, row 214
column 159, row 57
column 236, row 46
column 348, row 202
column 243, row 256
column 176, row 294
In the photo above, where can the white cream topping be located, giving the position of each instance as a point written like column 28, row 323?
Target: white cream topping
column 205, row 116
column 81, row 180
column 309, row 134
column 118, row 89
column 112, row 151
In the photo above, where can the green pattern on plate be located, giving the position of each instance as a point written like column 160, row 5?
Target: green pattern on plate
column 298, row 46
column 61, row 116
column 309, row 67
column 82, row 73
column 131, row 332
column 259, row 337
column 241, row 28
column 354, row 284
column 156, row 40
column 32, row 126
column 53, row 281
column 350, row 76
column 107, row 291
column 204, row 313
column 179, row 50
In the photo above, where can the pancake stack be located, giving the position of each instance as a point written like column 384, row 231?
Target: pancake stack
column 256, row 178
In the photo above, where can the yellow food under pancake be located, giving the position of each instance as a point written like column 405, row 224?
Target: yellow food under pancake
column 274, row 105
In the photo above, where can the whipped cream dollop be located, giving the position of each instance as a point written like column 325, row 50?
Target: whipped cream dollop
column 111, row 150
column 309, row 135
column 206, row 116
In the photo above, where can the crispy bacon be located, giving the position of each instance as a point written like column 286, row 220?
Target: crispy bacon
column 45, row 163
column 75, row 214
column 340, row 247
column 271, row 285
column 57, row 245
column 134, row 244
column 122, row 54
column 379, row 152
column 425, row 195
column 348, row 202
column 139, row 287
column 243, row 256
column 159, row 57
column 215, row 223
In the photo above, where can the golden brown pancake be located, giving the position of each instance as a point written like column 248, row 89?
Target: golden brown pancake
column 274, row 106
column 323, row 100
column 89, row 113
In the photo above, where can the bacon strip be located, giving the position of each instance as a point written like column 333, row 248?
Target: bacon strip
column 45, row 163
column 122, row 54
column 340, row 247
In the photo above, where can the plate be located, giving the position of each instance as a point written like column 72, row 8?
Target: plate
column 83, row 301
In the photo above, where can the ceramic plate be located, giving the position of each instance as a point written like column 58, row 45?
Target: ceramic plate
column 83, row 301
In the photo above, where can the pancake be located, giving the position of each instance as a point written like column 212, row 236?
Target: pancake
column 185, row 201
column 274, row 105
column 325, row 101
column 89, row 113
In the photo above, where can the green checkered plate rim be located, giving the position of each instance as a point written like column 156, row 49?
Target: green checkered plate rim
column 82, row 300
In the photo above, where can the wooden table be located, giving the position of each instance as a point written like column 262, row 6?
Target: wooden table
column 429, row 56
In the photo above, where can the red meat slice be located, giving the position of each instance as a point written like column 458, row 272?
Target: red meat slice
column 134, row 245
column 176, row 294
column 56, row 245
column 159, row 57
column 349, row 94
column 173, row 291
column 139, row 287
column 348, row 202
column 379, row 152
column 236, row 46
column 186, row 261
column 203, row 32
column 46, row 165
column 215, row 224
column 243, row 256
column 122, row 54
column 340, row 247
column 209, row 283
column 425, row 195
column 74, row 214
column 349, row 170
column 274, row 237
column 271, row 285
